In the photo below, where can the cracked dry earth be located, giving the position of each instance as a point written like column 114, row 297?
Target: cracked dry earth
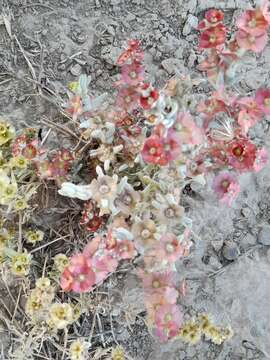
column 228, row 272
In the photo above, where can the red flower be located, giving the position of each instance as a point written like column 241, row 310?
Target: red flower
column 262, row 99
column 214, row 16
column 253, row 22
column 213, row 37
column 149, row 96
column 153, row 151
column 242, row 154
column 78, row 276
column 248, row 41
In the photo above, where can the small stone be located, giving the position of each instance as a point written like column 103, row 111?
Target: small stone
column 246, row 212
column 264, row 235
column 230, row 251
column 76, row 70
column 217, row 244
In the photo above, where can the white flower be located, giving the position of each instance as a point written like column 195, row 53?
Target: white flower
column 71, row 190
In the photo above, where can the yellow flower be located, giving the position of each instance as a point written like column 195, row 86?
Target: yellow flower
column 34, row 303
column 20, row 204
column 61, row 261
column 4, row 237
column 43, row 283
column 73, row 86
column 61, row 315
column 77, row 350
column 20, row 263
column 19, row 162
column 34, row 236
column 190, row 333
column 118, row 353
column 8, row 193
column 7, row 132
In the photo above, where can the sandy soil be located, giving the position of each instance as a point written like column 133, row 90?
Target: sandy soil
column 229, row 270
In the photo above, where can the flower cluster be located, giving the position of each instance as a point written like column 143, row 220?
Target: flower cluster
column 193, row 330
column 125, row 178
column 41, row 307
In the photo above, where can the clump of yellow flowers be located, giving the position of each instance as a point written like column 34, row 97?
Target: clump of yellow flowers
column 40, row 306
column 7, row 132
column 20, row 263
column 195, row 329
column 34, row 236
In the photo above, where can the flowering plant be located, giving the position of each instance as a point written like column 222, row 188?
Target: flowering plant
column 125, row 176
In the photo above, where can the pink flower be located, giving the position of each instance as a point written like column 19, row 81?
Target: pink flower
column 169, row 248
column 211, row 107
column 127, row 98
column 226, row 187
column 78, row 276
column 153, row 151
column 125, row 249
column 253, row 22
column 92, row 247
column 248, row 41
column 261, row 160
column 189, row 132
column 132, row 74
column 241, row 154
column 262, row 99
column 213, row 37
column 249, row 113
column 155, row 281
column 103, row 266
column 168, row 320
column 172, row 145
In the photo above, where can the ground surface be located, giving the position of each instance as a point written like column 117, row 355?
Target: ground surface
column 64, row 38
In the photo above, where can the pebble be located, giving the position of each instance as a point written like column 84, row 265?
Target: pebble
column 76, row 70
column 264, row 235
column 217, row 244
column 230, row 251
